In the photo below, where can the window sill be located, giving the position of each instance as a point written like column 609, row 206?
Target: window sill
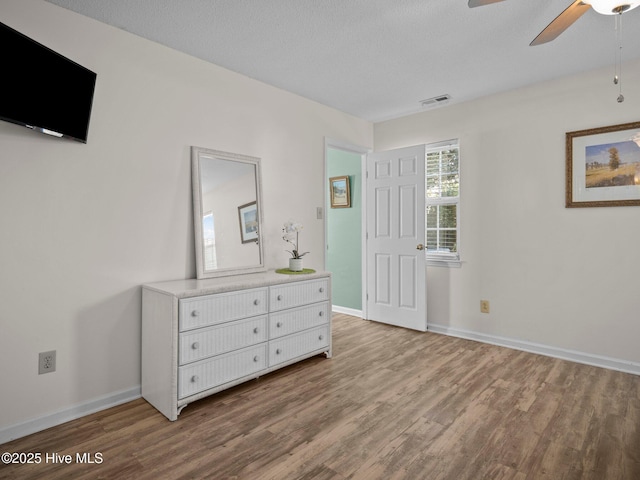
column 444, row 262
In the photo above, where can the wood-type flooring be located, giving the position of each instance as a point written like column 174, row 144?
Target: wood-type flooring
column 390, row 404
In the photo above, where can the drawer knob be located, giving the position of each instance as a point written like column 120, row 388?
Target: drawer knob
column 195, row 313
column 320, row 313
column 256, row 302
column 279, row 324
column 194, row 379
column 321, row 289
column 195, row 345
column 279, row 297
column 256, row 330
column 256, row 358
column 278, row 351
column 320, row 337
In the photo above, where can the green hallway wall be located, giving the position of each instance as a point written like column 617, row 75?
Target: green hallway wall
column 344, row 232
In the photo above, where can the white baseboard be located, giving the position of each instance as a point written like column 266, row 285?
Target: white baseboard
column 571, row 355
column 347, row 311
column 51, row 420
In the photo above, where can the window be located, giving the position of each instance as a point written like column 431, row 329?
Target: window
column 442, row 203
column 209, row 237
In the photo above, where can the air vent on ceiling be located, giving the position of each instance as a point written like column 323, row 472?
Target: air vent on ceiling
column 435, row 101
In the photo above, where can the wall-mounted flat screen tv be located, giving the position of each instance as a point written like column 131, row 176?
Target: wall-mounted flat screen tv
column 43, row 90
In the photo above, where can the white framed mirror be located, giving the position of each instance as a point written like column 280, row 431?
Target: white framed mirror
column 227, row 211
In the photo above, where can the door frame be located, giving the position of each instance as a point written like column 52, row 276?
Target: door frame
column 362, row 151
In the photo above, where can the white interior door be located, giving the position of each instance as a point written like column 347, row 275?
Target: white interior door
column 396, row 275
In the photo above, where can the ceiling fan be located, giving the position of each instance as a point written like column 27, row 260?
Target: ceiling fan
column 572, row 13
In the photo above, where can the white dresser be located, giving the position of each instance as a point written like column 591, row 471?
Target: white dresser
column 202, row 336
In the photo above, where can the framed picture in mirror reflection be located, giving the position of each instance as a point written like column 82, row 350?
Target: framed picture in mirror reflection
column 248, row 214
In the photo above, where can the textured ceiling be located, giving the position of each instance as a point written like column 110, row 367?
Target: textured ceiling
column 376, row 59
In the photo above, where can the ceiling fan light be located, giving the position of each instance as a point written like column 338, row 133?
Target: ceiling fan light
column 611, row 7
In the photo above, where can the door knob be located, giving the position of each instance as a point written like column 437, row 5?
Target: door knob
column 420, row 247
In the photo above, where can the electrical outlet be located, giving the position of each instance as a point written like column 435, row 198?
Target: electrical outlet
column 319, row 213
column 47, row 362
column 484, row 306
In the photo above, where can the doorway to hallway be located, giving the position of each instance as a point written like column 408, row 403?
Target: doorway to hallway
column 344, row 228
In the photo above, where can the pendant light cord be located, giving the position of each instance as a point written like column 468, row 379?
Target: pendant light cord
column 617, row 77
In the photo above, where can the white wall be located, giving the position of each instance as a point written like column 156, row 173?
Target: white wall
column 564, row 278
column 82, row 226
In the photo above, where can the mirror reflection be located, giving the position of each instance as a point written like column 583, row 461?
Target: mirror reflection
column 226, row 213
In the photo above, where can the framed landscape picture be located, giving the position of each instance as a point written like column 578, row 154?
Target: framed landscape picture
column 340, row 193
column 248, row 214
column 603, row 166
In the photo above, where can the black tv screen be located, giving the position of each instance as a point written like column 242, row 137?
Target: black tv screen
column 43, row 90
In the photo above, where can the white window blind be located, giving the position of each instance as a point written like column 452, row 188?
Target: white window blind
column 209, row 239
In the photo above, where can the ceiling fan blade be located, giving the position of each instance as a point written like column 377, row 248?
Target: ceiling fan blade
column 563, row 21
column 480, row 3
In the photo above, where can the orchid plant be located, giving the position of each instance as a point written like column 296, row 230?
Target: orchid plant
column 290, row 234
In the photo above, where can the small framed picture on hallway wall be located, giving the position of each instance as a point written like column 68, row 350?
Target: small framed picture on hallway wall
column 340, row 192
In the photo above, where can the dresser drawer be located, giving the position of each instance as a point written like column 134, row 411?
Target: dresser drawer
column 221, row 307
column 287, row 348
column 297, row 319
column 301, row 293
column 209, row 373
column 206, row 342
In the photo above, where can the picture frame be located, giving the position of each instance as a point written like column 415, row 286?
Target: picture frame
column 603, row 166
column 248, row 216
column 340, row 192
